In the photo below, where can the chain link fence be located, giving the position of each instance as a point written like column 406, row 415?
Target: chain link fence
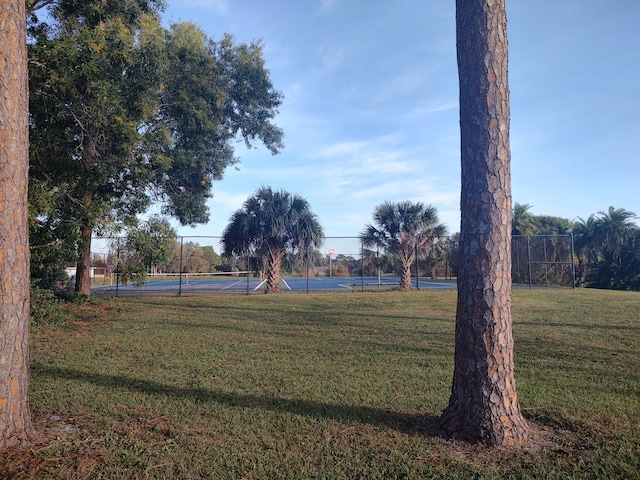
column 545, row 261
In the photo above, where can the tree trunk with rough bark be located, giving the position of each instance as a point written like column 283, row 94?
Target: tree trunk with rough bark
column 405, row 278
column 483, row 407
column 15, row 419
column 83, row 270
column 273, row 277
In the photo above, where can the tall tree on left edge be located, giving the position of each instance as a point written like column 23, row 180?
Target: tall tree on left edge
column 125, row 113
column 15, row 420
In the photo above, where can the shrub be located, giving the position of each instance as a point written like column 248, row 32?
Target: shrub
column 46, row 309
column 339, row 270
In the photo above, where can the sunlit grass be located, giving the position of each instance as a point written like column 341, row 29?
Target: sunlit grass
column 326, row 386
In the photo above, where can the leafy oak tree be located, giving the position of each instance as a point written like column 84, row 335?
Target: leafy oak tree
column 125, row 113
column 483, row 406
column 85, row 107
column 211, row 258
column 147, row 244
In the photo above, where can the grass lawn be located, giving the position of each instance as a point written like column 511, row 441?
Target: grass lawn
column 325, row 386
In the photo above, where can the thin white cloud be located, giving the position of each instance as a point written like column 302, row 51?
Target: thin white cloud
column 433, row 106
column 326, row 5
column 375, row 157
column 330, row 58
column 344, row 148
column 362, row 200
column 423, row 190
column 389, row 162
column 401, row 84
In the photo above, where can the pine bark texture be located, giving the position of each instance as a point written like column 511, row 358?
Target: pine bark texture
column 15, row 419
column 483, row 407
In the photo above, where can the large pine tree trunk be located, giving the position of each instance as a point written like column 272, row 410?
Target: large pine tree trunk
column 484, row 403
column 15, row 419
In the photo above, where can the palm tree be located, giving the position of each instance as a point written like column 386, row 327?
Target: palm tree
column 549, row 225
column 601, row 243
column 404, row 229
column 587, row 246
column 587, row 239
column 523, row 226
column 616, row 227
column 523, row 222
column 272, row 225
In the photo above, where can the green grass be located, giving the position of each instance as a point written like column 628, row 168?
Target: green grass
column 331, row 386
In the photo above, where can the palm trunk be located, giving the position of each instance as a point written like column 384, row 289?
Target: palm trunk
column 483, row 406
column 15, row 418
column 273, row 277
column 407, row 257
column 405, row 277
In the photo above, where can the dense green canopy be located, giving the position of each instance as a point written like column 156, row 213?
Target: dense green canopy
column 125, row 113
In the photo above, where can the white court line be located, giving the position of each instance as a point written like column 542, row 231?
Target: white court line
column 265, row 281
column 233, row 284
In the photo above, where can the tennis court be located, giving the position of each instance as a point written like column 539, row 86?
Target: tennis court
column 240, row 283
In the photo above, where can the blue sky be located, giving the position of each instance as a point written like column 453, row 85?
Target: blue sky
column 370, row 108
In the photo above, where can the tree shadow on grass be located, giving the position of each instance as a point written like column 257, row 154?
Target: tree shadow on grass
column 408, row 423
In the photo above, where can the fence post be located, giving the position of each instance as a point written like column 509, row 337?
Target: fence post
column 529, row 261
column 180, row 283
column 248, row 260
column 378, row 263
column 573, row 265
column 306, row 265
column 362, row 262
column 117, row 267
column 546, row 267
column 417, row 268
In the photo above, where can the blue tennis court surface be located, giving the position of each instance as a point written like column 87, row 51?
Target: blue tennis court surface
column 256, row 285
